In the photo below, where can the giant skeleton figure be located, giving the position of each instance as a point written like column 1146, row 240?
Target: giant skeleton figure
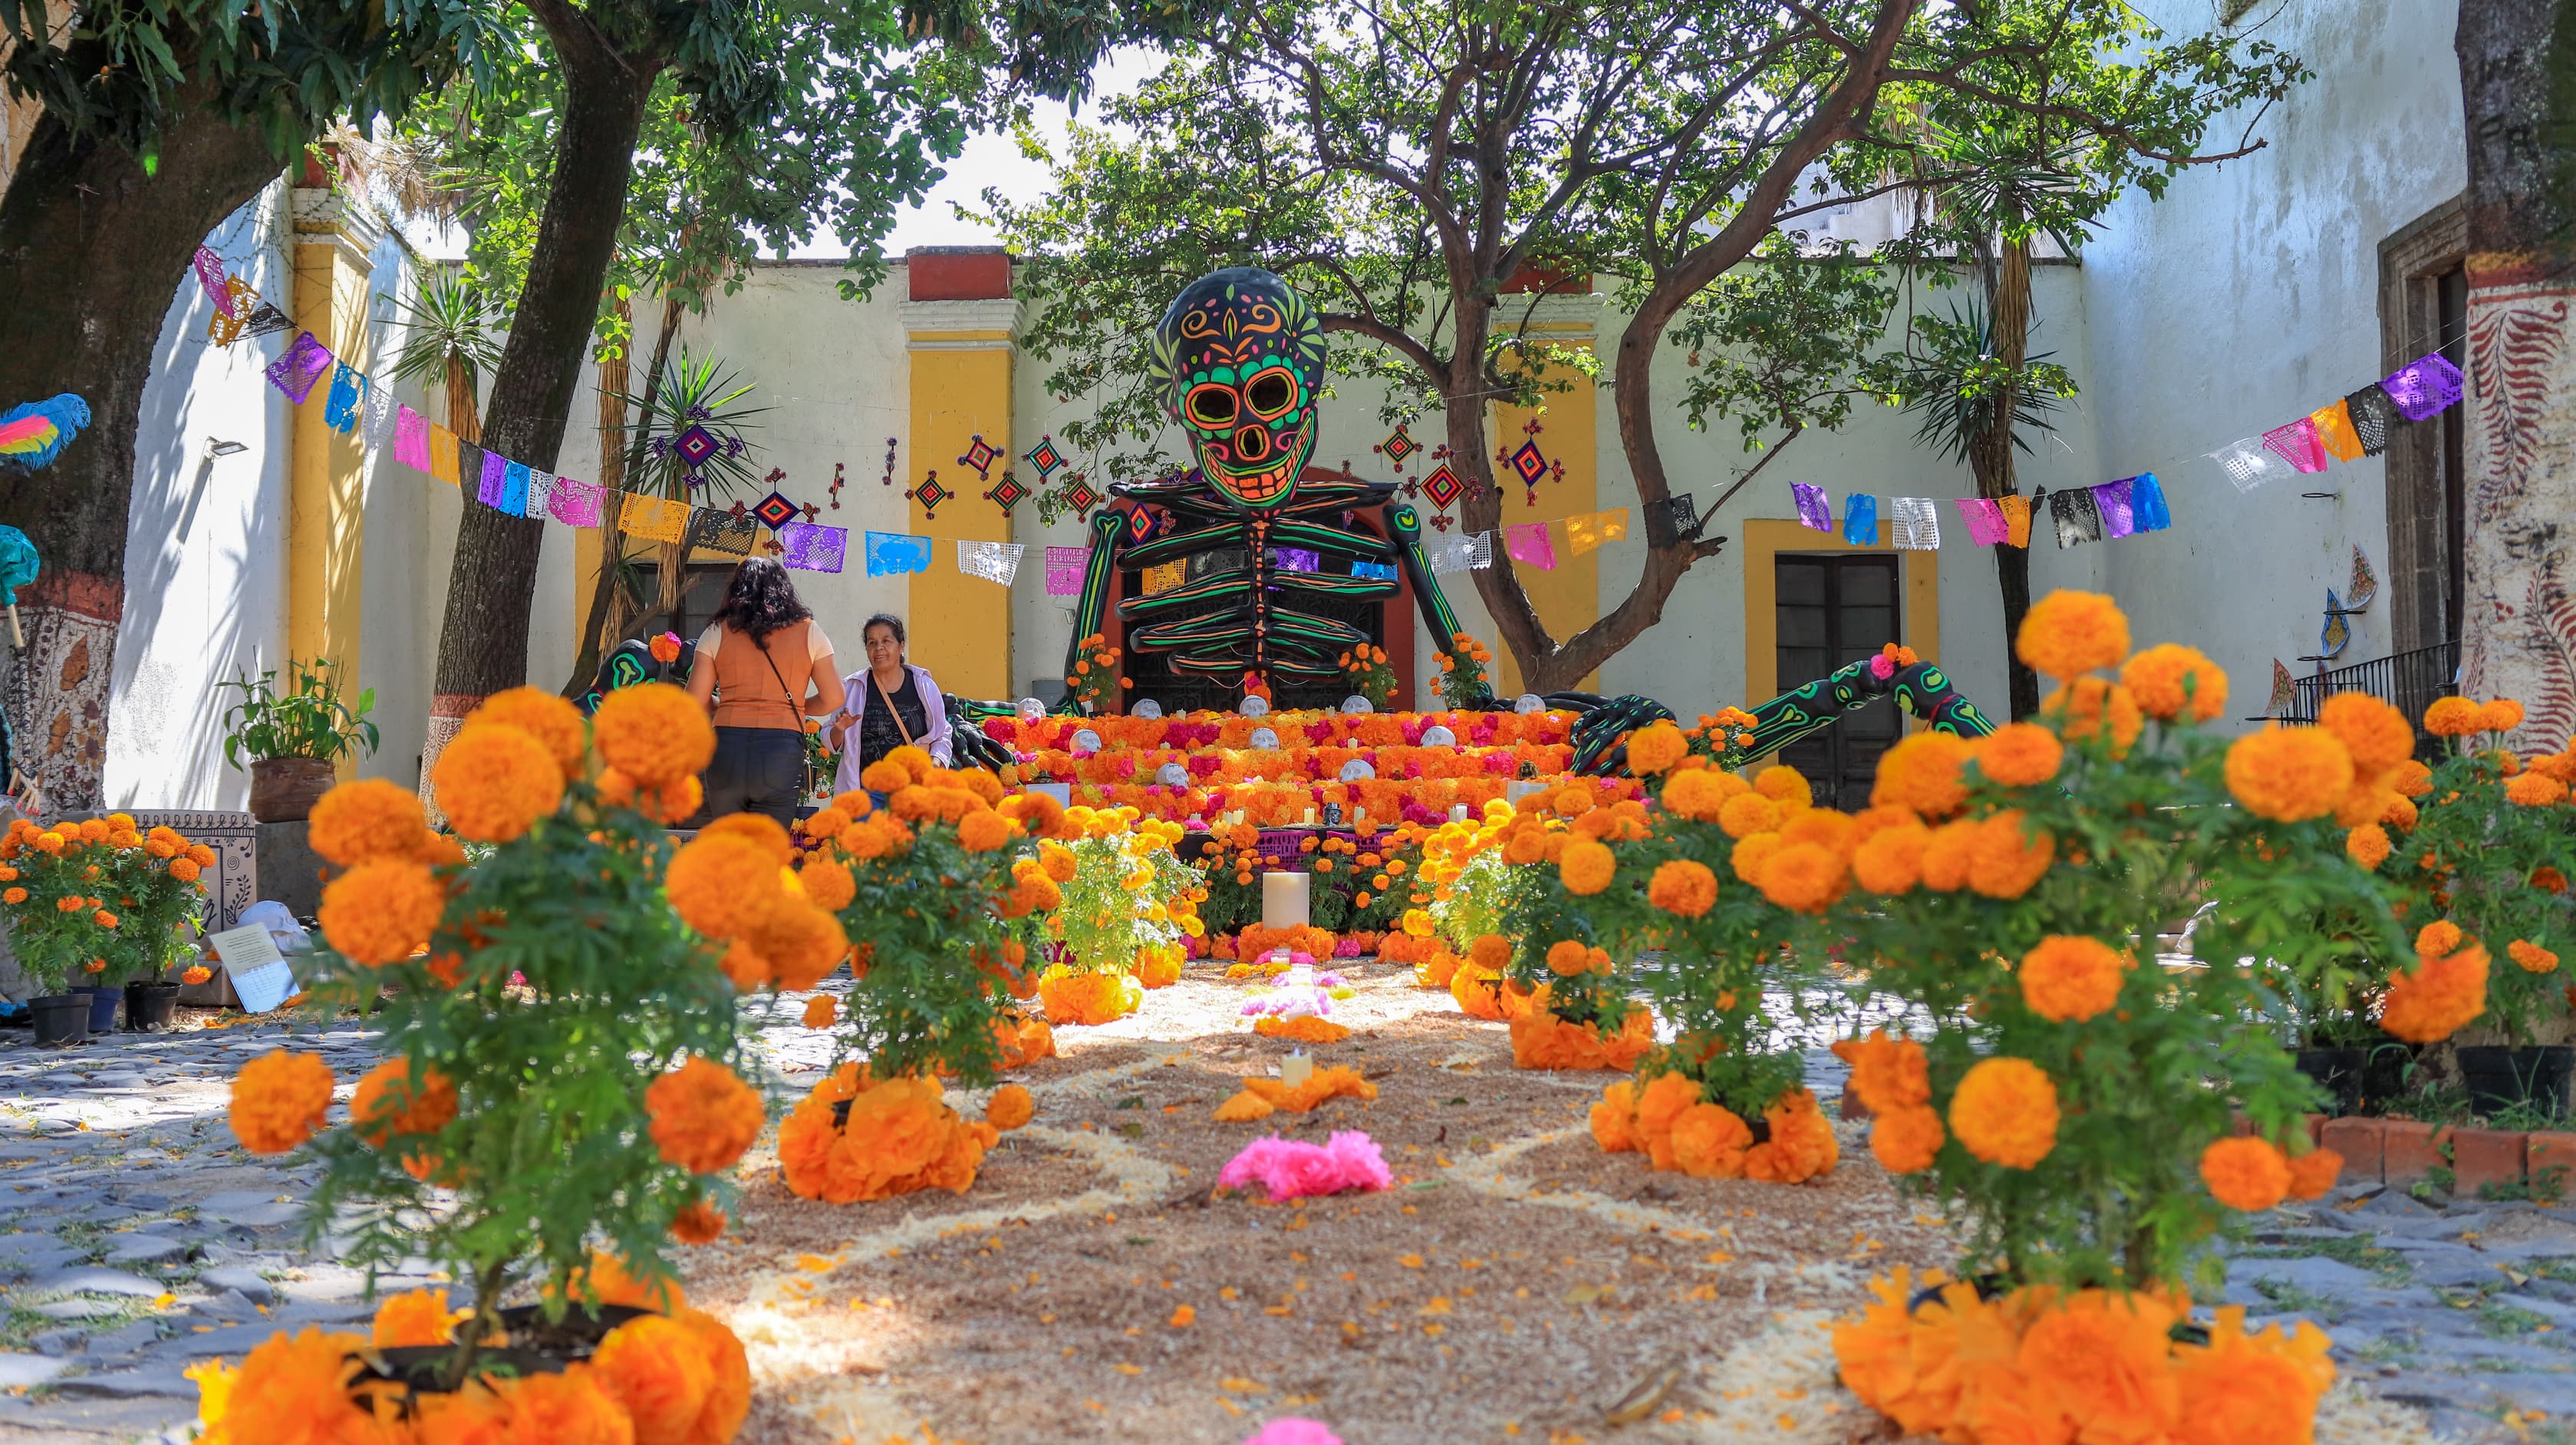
column 1240, row 358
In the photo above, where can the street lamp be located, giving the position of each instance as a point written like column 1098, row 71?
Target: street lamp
column 215, row 447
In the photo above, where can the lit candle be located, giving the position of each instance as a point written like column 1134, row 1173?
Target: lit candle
column 1283, row 900
column 1296, row 1069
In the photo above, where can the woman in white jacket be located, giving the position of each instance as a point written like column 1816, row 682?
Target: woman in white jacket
column 886, row 705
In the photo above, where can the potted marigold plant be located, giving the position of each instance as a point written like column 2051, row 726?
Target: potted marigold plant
column 2482, row 841
column 94, row 906
column 559, row 1100
column 2072, row 1098
column 937, row 886
column 1125, row 907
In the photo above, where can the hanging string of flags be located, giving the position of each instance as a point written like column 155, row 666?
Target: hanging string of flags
column 2121, row 508
column 2359, row 425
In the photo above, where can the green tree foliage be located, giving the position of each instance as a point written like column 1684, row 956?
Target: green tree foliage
column 1420, row 167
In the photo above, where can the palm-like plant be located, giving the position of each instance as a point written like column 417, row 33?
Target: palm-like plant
column 690, row 390
column 451, row 336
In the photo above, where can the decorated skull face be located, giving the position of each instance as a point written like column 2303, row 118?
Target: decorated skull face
column 1241, row 357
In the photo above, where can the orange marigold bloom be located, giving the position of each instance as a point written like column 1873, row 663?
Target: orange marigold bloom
column 2535, row 790
column 698, row 1223
column 2169, row 677
column 983, row 831
column 2069, row 633
column 1804, row 877
column 1009, row 1108
column 2006, row 857
column 371, row 818
column 800, row 942
column 1491, row 952
column 2548, row 879
column 2502, row 715
column 2005, row 1112
column 2088, row 707
column 387, row 1103
column 2530, row 957
column 1659, row 1104
column 495, row 780
column 1700, row 793
column 820, row 1010
column 184, row 870
column 1889, row 1074
column 2288, row 774
column 1949, row 855
column 658, row 1369
column 2367, row 846
column 2242, row 1389
column 1683, row 887
column 278, row 1100
column 544, row 716
column 2247, row 1174
column 378, row 912
column 1786, row 786
column 703, row 1116
column 2376, row 734
column 2100, row 1359
column 2315, row 1172
column 1905, row 1141
column 1586, row 867
column 1656, row 747
column 828, row 882
column 654, row 733
column 415, row 1317
column 2020, row 755
column 2443, row 993
column 1891, row 860
column 2069, row 978
column 722, row 885
column 1925, row 772
column 1749, row 813
column 1708, row 1141
column 1801, row 1147
column 569, row 1408
column 1614, row 1119
column 2451, row 717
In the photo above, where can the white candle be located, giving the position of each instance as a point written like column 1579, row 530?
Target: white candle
column 1307, row 820
column 1296, row 1069
column 1283, row 900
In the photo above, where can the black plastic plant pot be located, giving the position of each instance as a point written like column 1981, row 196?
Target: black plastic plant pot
column 2338, row 1072
column 151, row 1007
column 61, row 1018
column 2500, row 1078
column 102, row 1005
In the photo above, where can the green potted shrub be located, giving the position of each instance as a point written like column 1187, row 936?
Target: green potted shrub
column 293, row 740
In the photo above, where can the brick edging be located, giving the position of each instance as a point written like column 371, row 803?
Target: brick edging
column 2399, row 1152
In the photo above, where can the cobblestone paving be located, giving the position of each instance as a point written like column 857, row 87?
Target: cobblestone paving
column 136, row 1239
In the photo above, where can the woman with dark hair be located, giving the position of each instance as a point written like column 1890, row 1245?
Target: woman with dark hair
column 891, row 703
column 762, row 667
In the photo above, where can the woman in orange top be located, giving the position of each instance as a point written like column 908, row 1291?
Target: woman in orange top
column 762, row 667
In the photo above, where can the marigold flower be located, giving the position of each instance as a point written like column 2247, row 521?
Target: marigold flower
column 1009, row 1108
column 800, row 942
column 2315, row 1172
column 184, row 870
column 2289, row 774
column 542, row 715
column 2548, row 879
column 2502, row 715
column 2452, row 717
column 1888, row 1074
column 820, row 1010
column 104, row 919
column 2534, row 790
column 2069, row 633
column 388, row 1104
column 1568, row 959
column 1905, row 1141
column 654, row 733
column 2005, row 857
column 2242, row 1389
column 1683, row 887
column 570, row 1408
column 703, row 1116
column 2246, row 1174
column 1785, row 786
column 2020, row 755
column 698, row 1222
column 278, row 1100
column 2169, row 677
column 495, row 780
column 1491, row 952
column 1925, row 772
column 827, row 882
column 1708, row 1141
column 2069, row 978
column 1803, row 877
column 2088, row 707
column 1801, row 1146
column 1700, row 793
column 1656, row 747
column 2530, row 957
column 2098, row 1361
column 1586, row 867
column 196, row 973
column 2367, row 846
column 722, row 885
column 378, row 912
column 2376, row 734
column 658, row 1370
column 369, row 819
column 983, row 831
column 1890, row 861
column 2005, row 1112
column 1752, row 854
column 2446, row 990
column 1746, row 814
column 415, row 1317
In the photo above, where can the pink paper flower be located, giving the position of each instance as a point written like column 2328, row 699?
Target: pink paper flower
column 1295, row 1169
column 1291, row 1430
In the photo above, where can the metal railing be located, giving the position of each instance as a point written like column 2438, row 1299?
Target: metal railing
column 2409, row 680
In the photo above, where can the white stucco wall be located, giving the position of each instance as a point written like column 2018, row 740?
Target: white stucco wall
column 2248, row 298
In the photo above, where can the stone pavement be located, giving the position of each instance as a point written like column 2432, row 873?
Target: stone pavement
column 136, row 1238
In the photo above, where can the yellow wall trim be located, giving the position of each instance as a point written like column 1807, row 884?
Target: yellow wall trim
column 1918, row 581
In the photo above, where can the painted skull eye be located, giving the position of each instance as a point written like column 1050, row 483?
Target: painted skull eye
column 1212, row 405
column 1270, row 394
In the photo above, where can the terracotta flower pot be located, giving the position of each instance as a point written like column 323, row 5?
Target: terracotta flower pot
column 284, row 790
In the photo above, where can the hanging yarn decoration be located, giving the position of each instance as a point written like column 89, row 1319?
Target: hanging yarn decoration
column 35, row 432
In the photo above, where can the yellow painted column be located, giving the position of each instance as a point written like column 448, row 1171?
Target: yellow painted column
column 960, row 626
column 326, row 520
column 1568, row 599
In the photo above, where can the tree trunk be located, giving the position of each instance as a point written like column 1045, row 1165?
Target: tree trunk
column 1990, row 455
column 483, row 638
column 461, row 414
column 618, row 454
column 92, row 251
column 2518, row 633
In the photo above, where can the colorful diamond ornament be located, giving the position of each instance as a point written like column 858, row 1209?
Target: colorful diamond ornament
column 930, row 493
column 1443, row 488
column 1045, row 458
column 980, row 455
column 696, row 445
column 1007, row 493
column 775, row 511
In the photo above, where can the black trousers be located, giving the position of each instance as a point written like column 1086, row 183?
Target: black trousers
column 756, row 770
